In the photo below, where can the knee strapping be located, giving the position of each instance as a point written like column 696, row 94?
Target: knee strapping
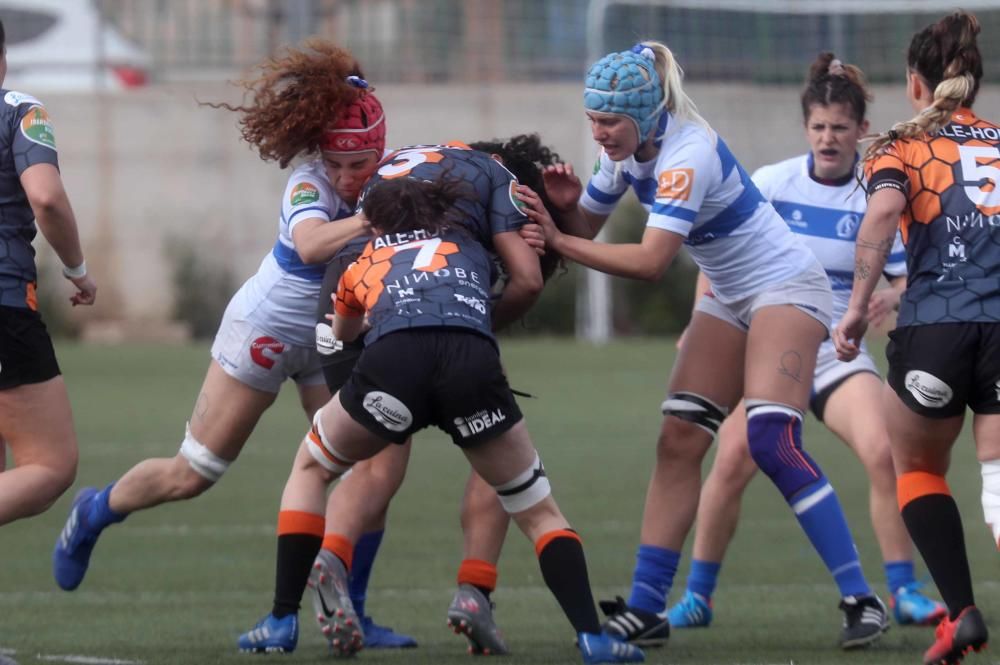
column 526, row 490
column 205, row 463
column 775, row 435
column 323, row 451
column 695, row 409
column 991, row 496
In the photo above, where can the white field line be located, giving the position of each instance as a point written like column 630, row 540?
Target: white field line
column 85, row 660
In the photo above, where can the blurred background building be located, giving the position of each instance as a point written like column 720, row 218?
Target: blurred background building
column 176, row 212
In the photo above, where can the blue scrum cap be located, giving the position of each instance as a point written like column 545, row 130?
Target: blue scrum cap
column 626, row 83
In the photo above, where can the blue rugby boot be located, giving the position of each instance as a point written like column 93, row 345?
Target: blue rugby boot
column 383, row 637
column 71, row 555
column 271, row 635
column 604, row 648
column 692, row 612
column 910, row 607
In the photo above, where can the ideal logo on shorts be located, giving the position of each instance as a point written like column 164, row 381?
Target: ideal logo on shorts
column 388, row 411
column 675, row 184
column 479, row 422
column 262, row 348
column 927, row 389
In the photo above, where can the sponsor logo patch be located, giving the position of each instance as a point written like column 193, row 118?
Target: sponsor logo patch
column 388, row 411
column 675, row 184
column 326, row 343
column 512, row 190
column 37, row 128
column 847, row 226
column 479, row 422
column 263, row 350
column 14, row 98
column 304, row 192
column 927, row 389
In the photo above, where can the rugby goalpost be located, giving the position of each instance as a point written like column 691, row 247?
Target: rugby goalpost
column 593, row 299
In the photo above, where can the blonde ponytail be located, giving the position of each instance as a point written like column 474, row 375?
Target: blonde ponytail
column 677, row 101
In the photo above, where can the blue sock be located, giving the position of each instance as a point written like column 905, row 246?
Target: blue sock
column 703, row 577
column 100, row 514
column 821, row 517
column 899, row 574
column 361, row 568
column 652, row 578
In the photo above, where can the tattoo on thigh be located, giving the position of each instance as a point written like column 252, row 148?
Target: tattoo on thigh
column 791, row 365
column 201, row 406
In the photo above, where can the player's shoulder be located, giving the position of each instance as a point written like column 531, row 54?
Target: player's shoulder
column 14, row 99
column 689, row 141
column 307, row 183
column 785, row 169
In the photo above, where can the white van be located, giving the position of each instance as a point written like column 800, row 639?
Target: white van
column 62, row 45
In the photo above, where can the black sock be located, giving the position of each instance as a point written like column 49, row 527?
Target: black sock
column 486, row 592
column 935, row 526
column 296, row 553
column 564, row 570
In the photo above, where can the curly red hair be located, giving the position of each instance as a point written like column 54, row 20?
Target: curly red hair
column 296, row 98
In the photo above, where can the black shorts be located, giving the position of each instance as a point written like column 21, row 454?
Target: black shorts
column 26, row 353
column 939, row 369
column 337, row 366
column 414, row 378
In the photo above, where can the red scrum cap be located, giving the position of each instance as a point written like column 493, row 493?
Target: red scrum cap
column 361, row 127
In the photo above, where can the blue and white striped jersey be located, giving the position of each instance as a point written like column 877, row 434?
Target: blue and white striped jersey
column 308, row 194
column 696, row 188
column 827, row 218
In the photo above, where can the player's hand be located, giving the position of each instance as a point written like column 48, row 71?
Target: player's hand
column 848, row 333
column 536, row 212
column 882, row 303
column 86, row 290
column 562, row 186
column 534, row 236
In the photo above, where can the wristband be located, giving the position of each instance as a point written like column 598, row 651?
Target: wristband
column 75, row 273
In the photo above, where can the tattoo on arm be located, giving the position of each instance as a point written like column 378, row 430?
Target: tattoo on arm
column 883, row 247
column 861, row 269
column 790, row 365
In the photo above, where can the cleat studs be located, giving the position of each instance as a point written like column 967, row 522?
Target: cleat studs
column 327, row 630
column 349, row 623
column 486, row 652
column 321, row 618
column 322, row 578
column 339, row 613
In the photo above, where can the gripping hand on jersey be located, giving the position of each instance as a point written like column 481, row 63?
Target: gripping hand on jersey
column 537, row 213
column 848, row 333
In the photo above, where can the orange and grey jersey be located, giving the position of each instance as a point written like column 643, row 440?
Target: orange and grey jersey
column 951, row 224
column 415, row 279
column 493, row 207
column 26, row 139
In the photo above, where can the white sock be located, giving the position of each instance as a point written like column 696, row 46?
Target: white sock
column 991, row 497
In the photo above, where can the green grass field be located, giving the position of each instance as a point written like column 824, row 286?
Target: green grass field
column 177, row 584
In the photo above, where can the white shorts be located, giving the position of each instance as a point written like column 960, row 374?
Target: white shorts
column 830, row 371
column 259, row 359
column 808, row 291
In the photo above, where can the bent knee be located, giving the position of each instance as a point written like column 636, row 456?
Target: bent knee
column 184, row 482
column 682, row 440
